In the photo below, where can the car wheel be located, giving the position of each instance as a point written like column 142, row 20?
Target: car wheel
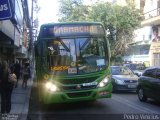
column 141, row 95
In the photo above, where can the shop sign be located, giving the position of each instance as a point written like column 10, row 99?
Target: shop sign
column 5, row 10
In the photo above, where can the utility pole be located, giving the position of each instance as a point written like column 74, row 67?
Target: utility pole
column 32, row 26
column 34, row 8
column 30, row 36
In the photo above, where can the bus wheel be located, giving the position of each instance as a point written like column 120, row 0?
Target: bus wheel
column 142, row 97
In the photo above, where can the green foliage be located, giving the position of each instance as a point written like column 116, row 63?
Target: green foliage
column 72, row 10
column 120, row 21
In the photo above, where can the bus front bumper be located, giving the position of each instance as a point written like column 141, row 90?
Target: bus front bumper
column 79, row 95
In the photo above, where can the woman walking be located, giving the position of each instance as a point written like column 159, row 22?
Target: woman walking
column 6, row 89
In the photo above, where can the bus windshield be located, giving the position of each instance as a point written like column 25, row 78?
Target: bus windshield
column 71, row 56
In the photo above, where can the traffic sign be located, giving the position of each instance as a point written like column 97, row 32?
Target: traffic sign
column 5, row 10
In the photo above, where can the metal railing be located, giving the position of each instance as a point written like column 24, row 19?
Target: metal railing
column 152, row 13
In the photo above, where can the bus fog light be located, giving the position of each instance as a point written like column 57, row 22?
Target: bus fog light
column 103, row 93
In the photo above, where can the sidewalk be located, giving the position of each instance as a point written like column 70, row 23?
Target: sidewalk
column 20, row 101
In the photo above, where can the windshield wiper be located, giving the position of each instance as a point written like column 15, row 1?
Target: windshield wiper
column 84, row 44
column 63, row 44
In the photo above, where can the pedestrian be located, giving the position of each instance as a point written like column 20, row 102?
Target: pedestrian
column 17, row 69
column 26, row 76
column 6, row 89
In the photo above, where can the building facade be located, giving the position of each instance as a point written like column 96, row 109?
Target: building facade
column 16, row 38
column 146, row 45
column 152, row 18
column 13, row 33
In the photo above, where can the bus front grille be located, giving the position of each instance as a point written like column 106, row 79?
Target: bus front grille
column 79, row 94
column 78, row 87
column 78, row 80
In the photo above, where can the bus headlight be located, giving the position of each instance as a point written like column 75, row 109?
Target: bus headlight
column 52, row 87
column 103, row 82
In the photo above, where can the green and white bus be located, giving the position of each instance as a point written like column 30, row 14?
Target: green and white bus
column 72, row 62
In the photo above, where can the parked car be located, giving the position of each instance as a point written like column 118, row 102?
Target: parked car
column 149, row 84
column 123, row 79
column 138, row 69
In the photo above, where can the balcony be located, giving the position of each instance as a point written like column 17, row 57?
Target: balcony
column 151, row 18
column 140, row 42
column 136, row 58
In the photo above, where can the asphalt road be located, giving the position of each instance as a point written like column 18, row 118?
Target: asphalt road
column 123, row 105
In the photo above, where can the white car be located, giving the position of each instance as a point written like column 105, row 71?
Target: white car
column 123, row 79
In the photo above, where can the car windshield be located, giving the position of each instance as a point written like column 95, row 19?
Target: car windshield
column 121, row 71
column 77, row 56
column 140, row 67
column 135, row 66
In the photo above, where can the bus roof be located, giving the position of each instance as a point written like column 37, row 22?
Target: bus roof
column 69, row 23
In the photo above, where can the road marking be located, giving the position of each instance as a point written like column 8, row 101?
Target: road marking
column 133, row 105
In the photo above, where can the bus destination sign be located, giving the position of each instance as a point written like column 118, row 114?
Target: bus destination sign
column 77, row 30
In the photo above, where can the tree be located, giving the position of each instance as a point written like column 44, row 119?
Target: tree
column 72, row 10
column 120, row 21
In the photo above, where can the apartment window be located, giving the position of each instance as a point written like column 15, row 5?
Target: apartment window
column 144, row 50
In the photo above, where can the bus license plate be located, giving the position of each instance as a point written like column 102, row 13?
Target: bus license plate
column 131, row 86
